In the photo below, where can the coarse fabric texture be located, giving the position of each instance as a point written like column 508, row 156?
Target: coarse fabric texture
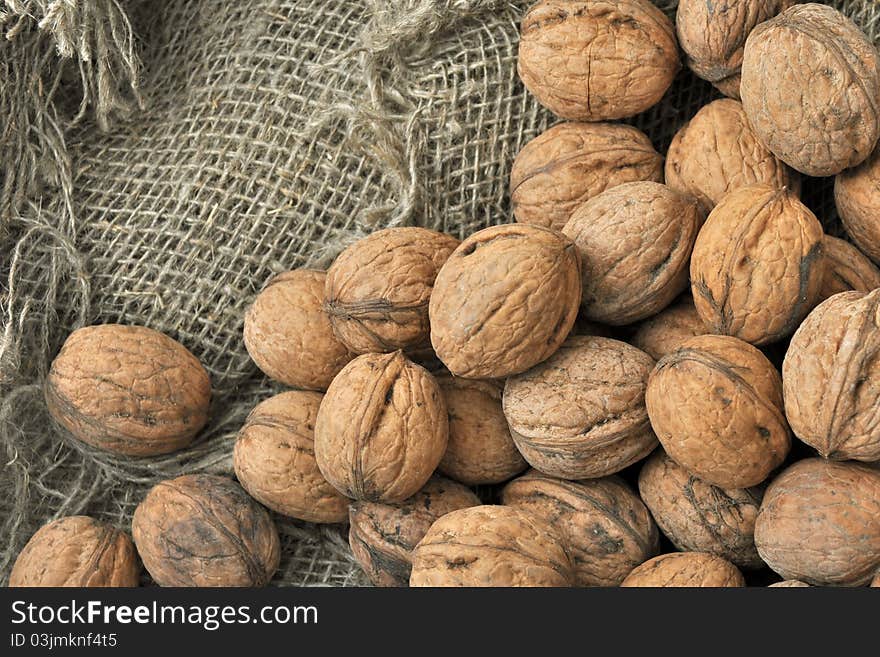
column 160, row 160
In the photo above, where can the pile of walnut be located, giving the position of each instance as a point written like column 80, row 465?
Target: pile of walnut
column 560, row 355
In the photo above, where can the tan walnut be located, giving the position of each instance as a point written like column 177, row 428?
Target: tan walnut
column 604, row 525
column 716, row 406
column 288, row 334
column 77, row 551
column 789, row 583
column 571, row 163
column 581, row 414
column 491, row 546
column 846, row 269
column 128, row 389
column 274, row 459
column 820, row 523
column 383, row 536
column 857, row 197
column 685, row 569
column 810, row 87
column 597, row 60
column 382, row 428
column 204, row 530
column 665, row 331
column 505, row 300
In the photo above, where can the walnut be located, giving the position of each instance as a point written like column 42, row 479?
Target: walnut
column 876, row 581
column 77, row 551
column 274, row 459
column 831, row 378
column 857, row 196
column 383, row 536
column 717, row 152
column 288, row 334
column 491, row 546
column 757, row 266
column 581, row 414
column 685, row 569
column 604, row 525
column 820, row 523
column 697, row 516
column 382, row 428
column 712, row 34
column 480, row 449
column 597, row 60
column 571, row 163
column 716, row 406
column 204, row 530
column 505, row 300
column 377, row 290
column 789, row 583
column 810, row 87
column 846, row 269
column 664, row 332
column 635, row 244
column 128, row 389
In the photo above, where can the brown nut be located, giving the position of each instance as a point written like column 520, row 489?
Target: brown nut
column 480, row 449
column 831, row 378
column 717, row 152
column 571, row 163
column 810, row 87
column 820, row 523
column 382, row 428
column 377, row 290
column 846, row 269
column 581, row 414
column 857, row 197
column 597, row 60
column 128, row 389
column 383, row 536
column 505, row 300
column 757, row 266
column 604, row 525
column 204, row 530
column 789, row 583
column 274, row 459
column 666, row 331
column 77, row 551
column 685, row 569
column 876, row 581
column 716, row 406
column 288, row 334
column 491, row 546
column 635, row 244
column 713, row 35
column 697, row 516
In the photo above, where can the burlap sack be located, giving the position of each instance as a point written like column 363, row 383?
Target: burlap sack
column 256, row 137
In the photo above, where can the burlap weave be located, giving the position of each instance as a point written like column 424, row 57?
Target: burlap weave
column 251, row 138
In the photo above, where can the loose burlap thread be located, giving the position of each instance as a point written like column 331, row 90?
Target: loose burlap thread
column 161, row 160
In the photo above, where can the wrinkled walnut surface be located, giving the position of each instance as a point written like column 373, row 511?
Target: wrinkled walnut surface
column 857, row 197
column 77, row 551
column 128, row 389
column 685, row 569
column 789, row 583
column 846, row 269
column 665, row 332
column 505, row 300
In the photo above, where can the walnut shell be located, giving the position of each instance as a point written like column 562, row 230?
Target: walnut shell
column 716, row 406
column 789, row 583
column 685, row 569
column 604, row 525
column 846, row 269
column 204, row 530
column 383, row 536
column 288, row 334
column 831, row 378
column 382, row 428
column 505, row 300
column 876, row 581
column 857, row 197
column 697, row 516
column 810, row 87
column 77, row 551
column 581, row 414
column 274, row 459
column 666, row 331
column 597, row 60
column 713, row 34
column 480, row 449
column 571, row 163
column 491, row 546
column 820, row 523
column 757, row 266
column 128, row 389
column 717, row 152
column 635, row 244
column 377, row 290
